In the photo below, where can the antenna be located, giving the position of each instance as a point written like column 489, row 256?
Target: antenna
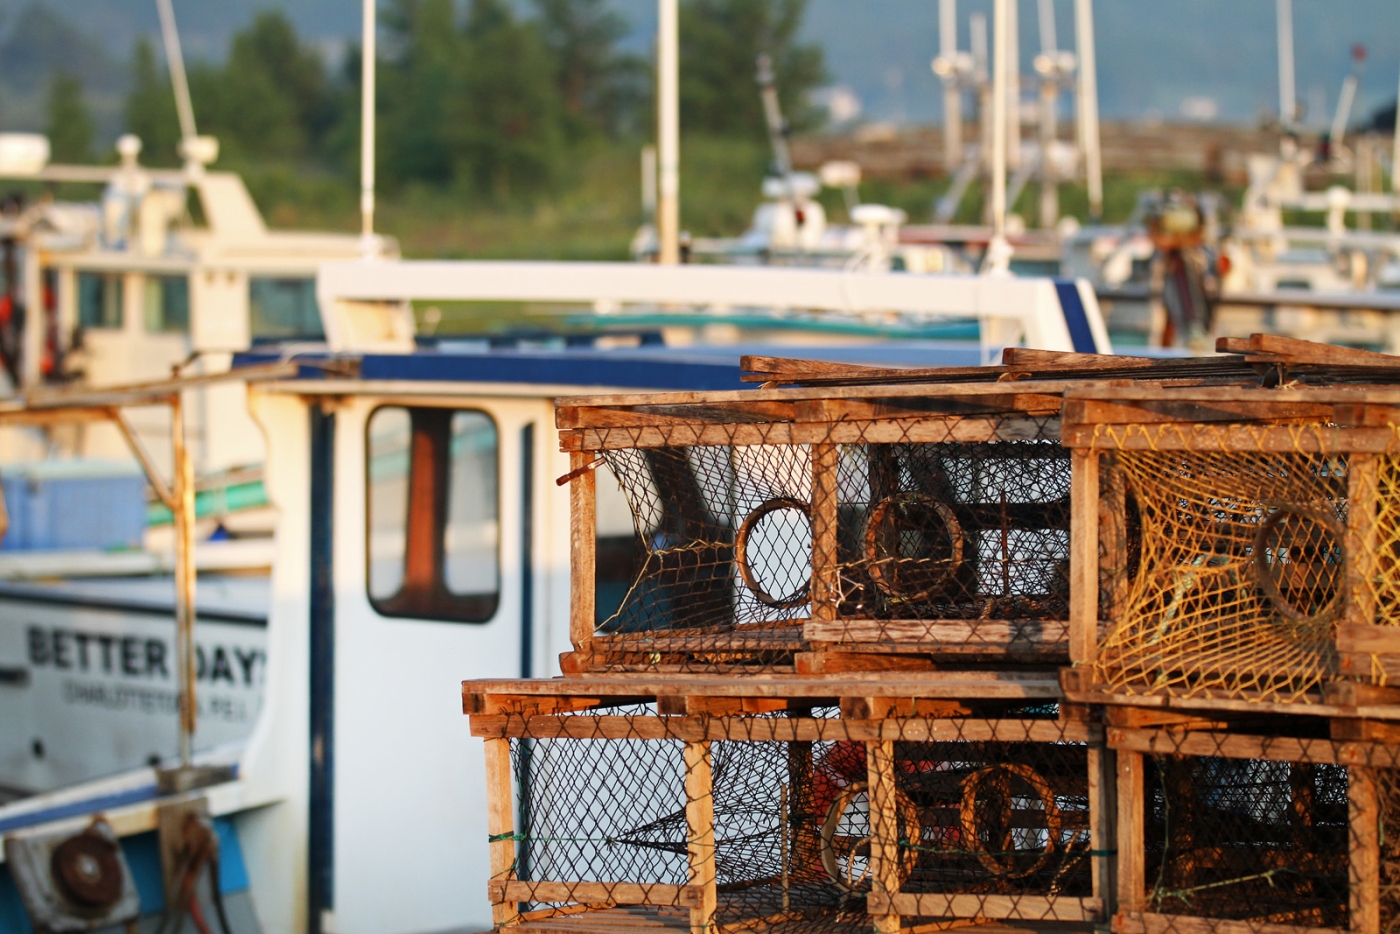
column 668, row 135
column 1087, row 108
column 368, row 62
column 1287, row 95
column 171, row 37
column 1348, row 97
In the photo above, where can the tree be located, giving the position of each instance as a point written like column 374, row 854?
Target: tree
column 720, row 44
column 414, row 89
column 601, row 88
column 150, row 107
column 70, row 128
column 505, row 117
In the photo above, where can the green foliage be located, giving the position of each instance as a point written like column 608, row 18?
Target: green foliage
column 720, row 44
column 70, row 128
column 150, row 108
column 602, row 89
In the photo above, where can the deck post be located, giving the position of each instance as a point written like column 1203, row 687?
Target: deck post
column 500, row 824
column 1132, row 868
column 583, row 531
column 700, row 834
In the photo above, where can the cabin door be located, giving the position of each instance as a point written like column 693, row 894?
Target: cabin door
column 444, row 565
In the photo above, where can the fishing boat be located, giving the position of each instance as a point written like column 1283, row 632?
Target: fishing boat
column 310, row 733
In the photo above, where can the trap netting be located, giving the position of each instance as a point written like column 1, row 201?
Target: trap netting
column 1388, row 793
column 958, row 547
column 787, row 827
column 1247, row 840
column 1237, row 574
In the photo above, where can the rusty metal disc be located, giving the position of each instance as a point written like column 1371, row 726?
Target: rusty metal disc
column 87, row 871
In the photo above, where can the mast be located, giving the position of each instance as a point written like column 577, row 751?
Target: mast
column 368, row 62
column 952, row 89
column 171, row 37
column 1087, row 109
column 998, row 250
column 668, row 135
column 1287, row 94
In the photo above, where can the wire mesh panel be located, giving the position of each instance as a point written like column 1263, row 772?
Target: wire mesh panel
column 991, row 818
column 1247, row 840
column 1234, row 582
column 946, row 536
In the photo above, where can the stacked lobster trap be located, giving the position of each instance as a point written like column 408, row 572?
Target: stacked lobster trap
column 904, row 651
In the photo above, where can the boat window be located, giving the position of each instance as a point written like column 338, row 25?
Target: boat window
column 167, row 304
column 99, row 300
column 433, row 513
column 284, row 308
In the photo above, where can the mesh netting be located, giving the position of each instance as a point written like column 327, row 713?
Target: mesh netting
column 941, row 546
column 1238, row 574
column 1247, row 839
column 791, row 822
column 1388, row 791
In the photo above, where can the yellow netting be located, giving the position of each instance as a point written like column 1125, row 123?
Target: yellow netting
column 1240, row 574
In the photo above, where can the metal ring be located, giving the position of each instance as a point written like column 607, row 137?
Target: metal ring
column 973, row 783
column 1263, row 572
column 875, row 562
column 913, row 833
column 741, row 553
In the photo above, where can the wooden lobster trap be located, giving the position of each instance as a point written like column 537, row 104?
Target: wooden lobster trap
column 1244, row 539
column 773, row 527
column 806, row 814
column 1267, row 832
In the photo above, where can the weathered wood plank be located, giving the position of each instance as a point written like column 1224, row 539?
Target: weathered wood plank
column 616, row 893
column 500, row 825
column 1152, row 923
column 885, row 857
column 826, row 570
column 689, row 728
column 1132, row 866
column 700, row 834
column 1084, row 558
column 1242, row 746
column 967, row 684
column 1310, row 439
column 583, row 539
column 956, row 632
column 999, row 907
column 1364, row 851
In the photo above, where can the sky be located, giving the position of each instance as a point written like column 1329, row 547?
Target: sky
column 1157, row 58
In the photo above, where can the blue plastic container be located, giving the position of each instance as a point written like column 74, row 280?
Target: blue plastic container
column 74, row 505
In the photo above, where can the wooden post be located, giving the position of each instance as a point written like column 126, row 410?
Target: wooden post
column 500, row 824
column 884, row 832
column 1364, row 863
column 583, row 528
column 1084, row 557
column 826, row 570
column 1363, row 478
column 1102, row 801
column 1132, row 867
column 1113, row 538
column 700, row 833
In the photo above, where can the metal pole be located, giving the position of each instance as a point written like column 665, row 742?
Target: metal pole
column 1001, row 65
column 1012, row 92
column 649, row 184
column 1049, row 42
column 171, row 36
column 1049, row 132
column 368, row 64
column 952, row 88
column 1287, row 95
column 1395, row 150
column 668, row 136
column 1088, row 109
column 184, row 579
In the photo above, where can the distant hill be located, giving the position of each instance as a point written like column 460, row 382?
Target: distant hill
column 1153, row 55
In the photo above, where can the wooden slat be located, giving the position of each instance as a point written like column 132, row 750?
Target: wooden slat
column 826, row 570
column 785, row 729
column 969, row 684
column 1357, row 632
column 956, row 632
column 1292, row 350
column 1131, row 863
column 1000, row 907
column 592, row 893
column 583, row 538
column 1363, row 851
column 1102, row 803
column 1084, row 412
column 753, row 639
column 1320, row 439
column 700, row 834
column 1367, row 638
column 1084, row 558
column 1242, row 746
column 1152, row 923
column 885, row 857
column 500, row 824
